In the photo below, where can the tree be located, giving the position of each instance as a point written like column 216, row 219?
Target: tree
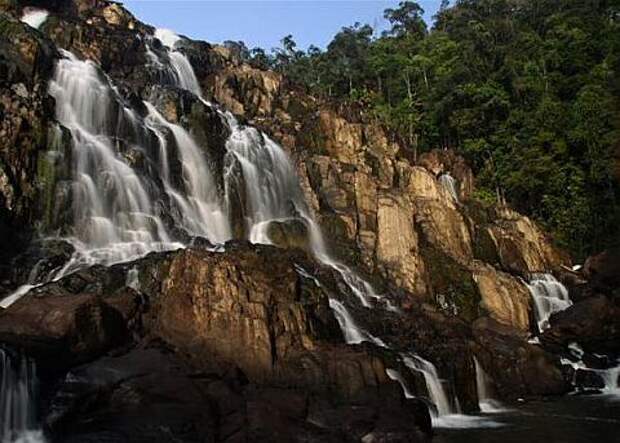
column 406, row 20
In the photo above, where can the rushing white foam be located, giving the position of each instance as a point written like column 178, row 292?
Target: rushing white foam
column 34, row 17
column 549, row 295
column 443, row 413
column 16, row 295
column 434, row 385
column 609, row 376
column 168, row 37
column 115, row 218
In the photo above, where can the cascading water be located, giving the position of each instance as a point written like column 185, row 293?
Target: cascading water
column 260, row 179
column 449, row 184
column 18, row 396
column 549, row 295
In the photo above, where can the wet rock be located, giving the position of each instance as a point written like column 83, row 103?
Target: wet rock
column 152, row 393
column 452, row 285
column 521, row 245
column 62, row 330
column 39, row 261
column 585, row 379
column 444, row 228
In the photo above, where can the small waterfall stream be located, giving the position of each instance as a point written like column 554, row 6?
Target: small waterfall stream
column 549, row 295
column 486, row 402
column 18, row 399
column 449, row 184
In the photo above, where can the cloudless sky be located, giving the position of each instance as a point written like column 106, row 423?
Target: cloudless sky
column 264, row 22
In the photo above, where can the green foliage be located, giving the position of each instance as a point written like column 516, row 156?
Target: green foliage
column 527, row 90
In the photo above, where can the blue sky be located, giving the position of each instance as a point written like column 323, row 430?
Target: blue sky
column 264, row 22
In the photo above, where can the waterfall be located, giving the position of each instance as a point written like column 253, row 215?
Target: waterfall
column 34, row 17
column 549, row 295
column 126, row 204
column 449, row 184
column 18, row 396
column 486, row 403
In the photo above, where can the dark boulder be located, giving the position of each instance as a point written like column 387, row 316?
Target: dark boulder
column 594, row 323
column 603, row 271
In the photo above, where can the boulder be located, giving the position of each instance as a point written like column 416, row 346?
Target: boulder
column 152, row 393
column 419, row 183
column 594, row 323
column 603, row 270
column 522, row 246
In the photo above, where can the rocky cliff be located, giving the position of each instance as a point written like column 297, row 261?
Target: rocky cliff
column 246, row 337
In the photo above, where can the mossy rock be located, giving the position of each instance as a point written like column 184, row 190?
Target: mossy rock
column 453, row 287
